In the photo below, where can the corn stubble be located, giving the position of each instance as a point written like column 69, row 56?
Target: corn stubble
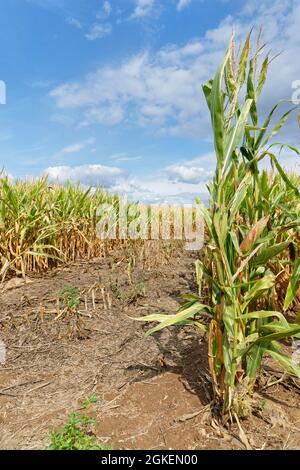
column 250, row 264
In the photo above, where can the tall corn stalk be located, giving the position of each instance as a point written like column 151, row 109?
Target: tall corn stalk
column 248, row 233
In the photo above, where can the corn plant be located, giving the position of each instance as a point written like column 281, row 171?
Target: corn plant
column 252, row 227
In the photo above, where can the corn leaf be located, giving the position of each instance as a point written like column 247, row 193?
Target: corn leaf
column 178, row 318
column 235, row 135
column 258, row 289
column 286, row 362
column 254, row 359
column 216, row 103
column 293, row 286
column 270, row 253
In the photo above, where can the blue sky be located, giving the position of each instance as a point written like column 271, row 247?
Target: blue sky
column 109, row 92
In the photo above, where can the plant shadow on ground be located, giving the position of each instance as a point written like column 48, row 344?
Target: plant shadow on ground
column 185, row 357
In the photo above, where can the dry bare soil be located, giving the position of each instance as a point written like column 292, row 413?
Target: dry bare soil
column 152, row 392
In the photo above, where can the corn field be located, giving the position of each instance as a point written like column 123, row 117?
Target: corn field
column 249, row 270
column 42, row 225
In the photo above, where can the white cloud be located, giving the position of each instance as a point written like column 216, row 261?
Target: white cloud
column 158, row 189
column 74, row 148
column 107, row 8
column 90, row 175
column 183, row 4
column 105, row 12
column 188, row 174
column 123, row 157
column 108, row 115
column 74, row 22
column 148, row 90
column 99, row 31
column 175, row 55
column 197, row 170
column 143, row 8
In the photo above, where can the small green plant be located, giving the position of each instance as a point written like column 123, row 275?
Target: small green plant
column 132, row 294
column 90, row 401
column 69, row 298
column 115, row 287
column 75, row 435
column 263, row 404
column 138, row 290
